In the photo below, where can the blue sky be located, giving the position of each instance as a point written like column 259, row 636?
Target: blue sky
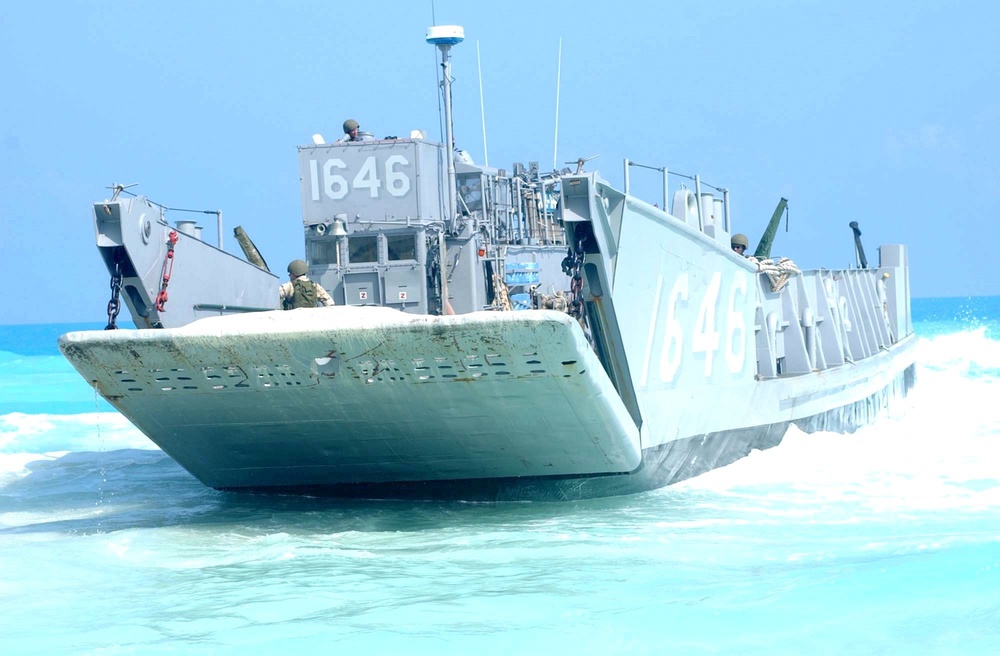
column 886, row 113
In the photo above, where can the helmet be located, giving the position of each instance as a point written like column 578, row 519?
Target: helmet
column 739, row 240
column 350, row 124
column 298, row 268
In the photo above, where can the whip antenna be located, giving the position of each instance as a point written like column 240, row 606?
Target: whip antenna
column 555, row 148
column 437, row 82
column 482, row 105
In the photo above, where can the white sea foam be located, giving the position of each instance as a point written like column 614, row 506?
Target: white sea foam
column 22, row 433
column 17, row 519
column 963, row 352
column 938, row 452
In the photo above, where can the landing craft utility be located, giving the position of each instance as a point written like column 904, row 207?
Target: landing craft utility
column 497, row 333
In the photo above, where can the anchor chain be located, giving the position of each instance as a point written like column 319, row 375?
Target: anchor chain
column 115, row 304
column 168, row 269
column 571, row 266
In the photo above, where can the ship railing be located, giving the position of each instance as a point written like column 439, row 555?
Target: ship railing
column 519, row 208
column 188, row 227
column 700, row 208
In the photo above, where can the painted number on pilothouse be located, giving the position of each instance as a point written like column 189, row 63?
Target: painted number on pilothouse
column 372, row 177
column 676, row 329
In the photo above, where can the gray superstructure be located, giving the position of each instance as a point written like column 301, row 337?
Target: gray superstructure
column 440, row 371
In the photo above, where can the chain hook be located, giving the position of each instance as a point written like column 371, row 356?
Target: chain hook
column 166, row 271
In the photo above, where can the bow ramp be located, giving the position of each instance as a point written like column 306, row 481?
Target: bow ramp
column 328, row 396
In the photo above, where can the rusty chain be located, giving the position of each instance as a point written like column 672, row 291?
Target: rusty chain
column 115, row 304
column 571, row 266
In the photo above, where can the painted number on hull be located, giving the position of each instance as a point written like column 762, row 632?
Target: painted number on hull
column 331, row 180
column 705, row 335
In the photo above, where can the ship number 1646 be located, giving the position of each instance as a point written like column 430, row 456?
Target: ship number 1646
column 337, row 181
column 672, row 333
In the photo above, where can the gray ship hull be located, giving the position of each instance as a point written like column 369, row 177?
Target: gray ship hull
column 498, row 333
column 373, row 402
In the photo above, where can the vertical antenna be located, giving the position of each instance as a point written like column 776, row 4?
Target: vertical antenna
column 555, row 148
column 444, row 37
column 482, row 105
column 437, row 81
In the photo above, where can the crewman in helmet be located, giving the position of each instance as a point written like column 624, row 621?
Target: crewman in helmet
column 739, row 243
column 301, row 292
column 353, row 132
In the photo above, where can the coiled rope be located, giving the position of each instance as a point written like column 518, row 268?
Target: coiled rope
column 777, row 272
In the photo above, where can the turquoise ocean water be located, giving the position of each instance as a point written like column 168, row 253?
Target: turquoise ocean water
column 886, row 541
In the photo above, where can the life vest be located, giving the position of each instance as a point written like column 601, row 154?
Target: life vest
column 303, row 294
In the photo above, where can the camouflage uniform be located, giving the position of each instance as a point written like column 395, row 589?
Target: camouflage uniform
column 286, row 293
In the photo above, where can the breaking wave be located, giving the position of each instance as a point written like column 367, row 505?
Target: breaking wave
column 936, row 451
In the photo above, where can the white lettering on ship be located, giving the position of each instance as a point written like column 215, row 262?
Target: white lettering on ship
column 335, row 186
column 706, row 332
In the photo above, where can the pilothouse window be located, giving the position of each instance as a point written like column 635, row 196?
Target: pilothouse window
column 362, row 249
column 323, row 252
column 401, row 247
column 470, row 192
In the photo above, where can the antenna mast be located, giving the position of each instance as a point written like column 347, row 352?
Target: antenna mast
column 555, row 148
column 482, row 105
column 444, row 37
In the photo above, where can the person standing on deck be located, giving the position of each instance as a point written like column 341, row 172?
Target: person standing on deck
column 299, row 291
column 739, row 243
column 352, row 132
